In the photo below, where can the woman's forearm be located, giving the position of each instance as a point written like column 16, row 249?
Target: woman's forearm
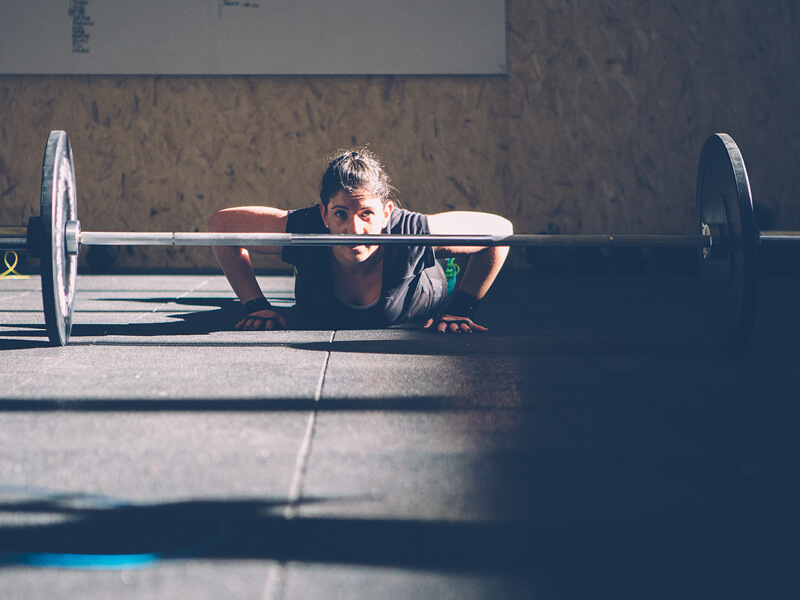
column 481, row 271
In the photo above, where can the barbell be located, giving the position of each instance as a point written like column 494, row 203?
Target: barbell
column 727, row 239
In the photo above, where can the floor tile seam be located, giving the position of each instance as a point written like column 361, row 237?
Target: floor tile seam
column 276, row 574
column 162, row 307
column 142, row 314
column 21, row 294
column 274, row 581
column 38, row 375
column 199, row 285
column 304, row 452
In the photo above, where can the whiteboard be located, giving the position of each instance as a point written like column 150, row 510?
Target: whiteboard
column 253, row 37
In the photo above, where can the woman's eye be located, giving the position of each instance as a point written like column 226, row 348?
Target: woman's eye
column 340, row 214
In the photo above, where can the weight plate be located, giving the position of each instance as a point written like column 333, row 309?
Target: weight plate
column 59, row 269
column 729, row 275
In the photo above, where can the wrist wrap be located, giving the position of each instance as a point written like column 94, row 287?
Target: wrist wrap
column 256, row 305
column 462, row 305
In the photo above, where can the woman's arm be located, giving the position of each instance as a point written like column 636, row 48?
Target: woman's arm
column 235, row 261
column 484, row 262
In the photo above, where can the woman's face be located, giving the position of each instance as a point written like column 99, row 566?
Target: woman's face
column 355, row 213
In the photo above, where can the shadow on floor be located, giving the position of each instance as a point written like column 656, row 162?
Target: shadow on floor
column 234, row 405
column 623, row 559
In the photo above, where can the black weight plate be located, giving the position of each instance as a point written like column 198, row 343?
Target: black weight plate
column 59, row 269
column 729, row 277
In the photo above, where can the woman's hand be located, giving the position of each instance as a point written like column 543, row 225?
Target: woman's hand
column 453, row 324
column 262, row 320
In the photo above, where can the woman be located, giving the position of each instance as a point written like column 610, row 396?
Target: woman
column 344, row 287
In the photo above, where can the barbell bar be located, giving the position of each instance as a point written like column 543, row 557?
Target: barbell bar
column 727, row 239
column 317, row 239
column 15, row 238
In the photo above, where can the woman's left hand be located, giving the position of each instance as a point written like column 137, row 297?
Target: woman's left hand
column 453, row 324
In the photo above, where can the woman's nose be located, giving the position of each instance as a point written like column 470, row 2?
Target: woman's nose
column 356, row 226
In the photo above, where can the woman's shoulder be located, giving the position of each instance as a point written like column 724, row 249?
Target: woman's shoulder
column 305, row 220
column 407, row 222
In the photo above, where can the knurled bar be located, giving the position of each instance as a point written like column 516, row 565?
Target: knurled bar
column 302, row 239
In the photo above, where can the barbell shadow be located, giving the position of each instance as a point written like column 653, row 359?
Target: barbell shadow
column 254, row 530
column 536, row 337
column 429, row 344
column 222, row 318
column 423, row 404
column 498, row 341
column 17, row 344
column 622, row 558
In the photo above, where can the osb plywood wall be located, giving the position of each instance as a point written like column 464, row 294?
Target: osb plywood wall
column 596, row 128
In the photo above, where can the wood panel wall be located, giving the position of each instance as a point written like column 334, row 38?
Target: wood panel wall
column 597, row 127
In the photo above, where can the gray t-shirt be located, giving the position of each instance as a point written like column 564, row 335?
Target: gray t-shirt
column 413, row 287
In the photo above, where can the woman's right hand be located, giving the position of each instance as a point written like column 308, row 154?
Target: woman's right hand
column 262, row 320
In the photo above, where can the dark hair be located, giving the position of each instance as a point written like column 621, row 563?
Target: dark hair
column 352, row 170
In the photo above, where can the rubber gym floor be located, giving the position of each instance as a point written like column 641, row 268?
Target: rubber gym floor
column 594, row 444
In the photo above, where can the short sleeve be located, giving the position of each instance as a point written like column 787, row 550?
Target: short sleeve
column 405, row 262
column 303, row 220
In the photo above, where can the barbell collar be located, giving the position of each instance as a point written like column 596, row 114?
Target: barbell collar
column 72, row 236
